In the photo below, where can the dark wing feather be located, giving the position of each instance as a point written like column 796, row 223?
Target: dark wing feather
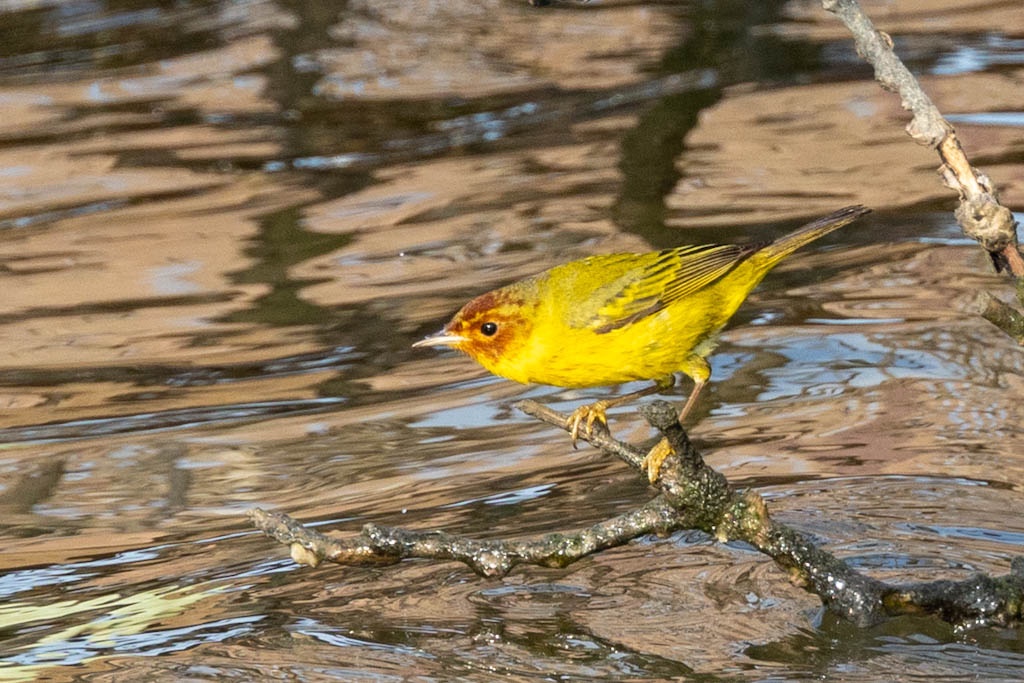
column 673, row 275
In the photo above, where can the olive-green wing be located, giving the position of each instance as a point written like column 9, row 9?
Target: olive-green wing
column 668, row 277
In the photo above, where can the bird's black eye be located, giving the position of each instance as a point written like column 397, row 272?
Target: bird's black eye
column 489, row 329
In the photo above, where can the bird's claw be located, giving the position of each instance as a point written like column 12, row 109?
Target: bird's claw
column 583, row 418
column 655, row 457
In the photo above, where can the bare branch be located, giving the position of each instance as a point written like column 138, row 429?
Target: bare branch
column 1002, row 315
column 387, row 545
column 693, row 496
column 979, row 213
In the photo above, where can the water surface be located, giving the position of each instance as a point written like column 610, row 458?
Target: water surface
column 222, row 224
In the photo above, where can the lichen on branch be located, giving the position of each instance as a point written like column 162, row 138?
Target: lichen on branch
column 692, row 495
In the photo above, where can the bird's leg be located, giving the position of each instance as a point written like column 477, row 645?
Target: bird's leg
column 582, row 420
column 700, row 371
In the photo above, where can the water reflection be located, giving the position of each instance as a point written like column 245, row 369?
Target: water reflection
column 223, row 223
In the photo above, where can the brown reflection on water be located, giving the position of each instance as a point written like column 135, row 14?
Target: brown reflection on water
column 217, row 247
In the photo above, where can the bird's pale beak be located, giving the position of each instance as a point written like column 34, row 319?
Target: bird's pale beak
column 442, row 338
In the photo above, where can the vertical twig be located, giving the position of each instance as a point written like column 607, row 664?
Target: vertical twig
column 979, row 213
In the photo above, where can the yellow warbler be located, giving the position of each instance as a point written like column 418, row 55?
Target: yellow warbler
column 619, row 318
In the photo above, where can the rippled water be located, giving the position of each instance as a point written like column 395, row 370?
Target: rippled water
column 222, row 224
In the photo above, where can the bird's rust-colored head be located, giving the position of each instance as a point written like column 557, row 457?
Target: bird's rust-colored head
column 491, row 329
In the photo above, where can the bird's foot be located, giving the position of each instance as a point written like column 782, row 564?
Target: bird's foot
column 654, row 459
column 583, row 418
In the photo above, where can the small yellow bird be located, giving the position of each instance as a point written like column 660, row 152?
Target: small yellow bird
column 619, row 318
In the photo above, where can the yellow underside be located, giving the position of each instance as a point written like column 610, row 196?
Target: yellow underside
column 672, row 340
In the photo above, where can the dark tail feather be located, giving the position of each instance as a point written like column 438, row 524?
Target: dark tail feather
column 787, row 244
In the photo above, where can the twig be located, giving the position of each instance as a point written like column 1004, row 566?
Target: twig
column 387, row 545
column 602, row 439
column 979, row 213
column 1002, row 315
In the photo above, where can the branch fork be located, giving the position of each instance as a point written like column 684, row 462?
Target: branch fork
column 692, row 496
